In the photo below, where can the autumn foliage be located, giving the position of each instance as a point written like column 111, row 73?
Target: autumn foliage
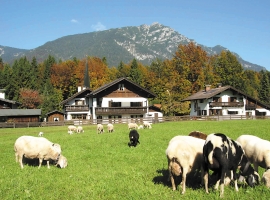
column 189, row 70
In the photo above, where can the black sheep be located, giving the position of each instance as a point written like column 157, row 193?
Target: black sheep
column 133, row 138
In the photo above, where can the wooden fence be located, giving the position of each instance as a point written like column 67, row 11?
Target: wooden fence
column 127, row 120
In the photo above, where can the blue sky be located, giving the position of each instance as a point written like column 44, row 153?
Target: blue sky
column 242, row 26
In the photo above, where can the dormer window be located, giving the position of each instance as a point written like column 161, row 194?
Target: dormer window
column 121, row 86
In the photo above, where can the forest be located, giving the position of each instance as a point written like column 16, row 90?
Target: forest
column 46, row 84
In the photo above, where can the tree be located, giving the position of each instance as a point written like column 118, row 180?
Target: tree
column 135, row 74
column 29, row 98
column 264, row 92
column 230, row 70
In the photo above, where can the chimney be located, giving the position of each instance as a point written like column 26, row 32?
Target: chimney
column 2, row 93
column 207, row 88
column 219, row 85
column 79, row 88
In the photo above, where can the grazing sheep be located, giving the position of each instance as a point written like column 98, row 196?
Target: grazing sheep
column 198, row 134
column 140, row 127
column 147, row 125
column 100, row 128
column 62, row 162
column 72, row 128
column 256, row 149
column 184, row 154
column 110, row 128
column 36, row 147
column 40, row 134
column 133, row 138
column 132, row 126
column 266, row 178
column 80, row 129
column 223, row 154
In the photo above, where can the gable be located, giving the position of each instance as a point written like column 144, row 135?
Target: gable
column 122, row 87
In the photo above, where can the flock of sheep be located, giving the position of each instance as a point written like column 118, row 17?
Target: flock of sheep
column 40, row 148
column 199, row 152
column 196, row 152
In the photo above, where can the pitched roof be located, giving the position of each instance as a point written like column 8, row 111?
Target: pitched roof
column 20, row 112
column 203, row 94
column 106, row 86
column 9, row 101
column 86, row 91
column 55, row 111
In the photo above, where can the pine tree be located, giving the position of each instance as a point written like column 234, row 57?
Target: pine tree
column 86, row 79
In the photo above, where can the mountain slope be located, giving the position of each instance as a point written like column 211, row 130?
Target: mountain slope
column 145, row 43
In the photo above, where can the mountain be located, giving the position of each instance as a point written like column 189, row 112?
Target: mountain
column 145, row 43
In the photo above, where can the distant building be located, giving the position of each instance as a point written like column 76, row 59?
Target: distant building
column 117, row 100
column 225, row 100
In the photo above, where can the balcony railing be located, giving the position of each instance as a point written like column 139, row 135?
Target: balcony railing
column 226, row 104
column 120, row 110
column 250, row 107
column 71, row 108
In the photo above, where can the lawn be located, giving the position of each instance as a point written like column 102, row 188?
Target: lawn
column 102, row 166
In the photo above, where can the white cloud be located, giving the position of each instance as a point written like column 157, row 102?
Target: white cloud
column 98, row 27
column 74, row 21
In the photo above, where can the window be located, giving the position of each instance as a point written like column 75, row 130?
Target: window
column 136, row 116
column 121, row 86
column 201, row 100
column 232, row 112
column 78, row 116
column 116, row 104
column 135, row 104
column 79, row 102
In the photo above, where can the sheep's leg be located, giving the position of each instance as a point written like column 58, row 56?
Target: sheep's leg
column 233, row 176
column 172, row 181
column 205, row 178
column 222, row 178
column 184, row 177
column 40, row 162
column 20, row 158
column 48, row 164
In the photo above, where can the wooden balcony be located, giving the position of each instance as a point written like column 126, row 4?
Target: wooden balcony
column 120, row 110
column 226, row 104
column 75, row 108
column 250, row 107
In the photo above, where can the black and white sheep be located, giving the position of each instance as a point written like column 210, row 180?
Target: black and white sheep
column 223, row 155
column 133, row 138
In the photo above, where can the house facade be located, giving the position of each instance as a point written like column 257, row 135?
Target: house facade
column 118, row 100
column 225, row 100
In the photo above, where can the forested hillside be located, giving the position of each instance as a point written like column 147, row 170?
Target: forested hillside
column 44, row 85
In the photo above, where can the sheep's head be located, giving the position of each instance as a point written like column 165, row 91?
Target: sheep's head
column 175, row 168
column 266, row 178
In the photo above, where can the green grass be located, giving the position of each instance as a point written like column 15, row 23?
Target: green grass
column 104, row 167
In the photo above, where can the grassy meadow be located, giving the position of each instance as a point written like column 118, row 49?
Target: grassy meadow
column 102, row 166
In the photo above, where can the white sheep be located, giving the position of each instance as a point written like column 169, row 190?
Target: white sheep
column 100, row 128
column 80, row 129
column 72, row 128
column 184, row 154
column 132, row 126
column 40, row 134
column 70, row 132
column 256, row 149
column 110, row 128
column 147, row 125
